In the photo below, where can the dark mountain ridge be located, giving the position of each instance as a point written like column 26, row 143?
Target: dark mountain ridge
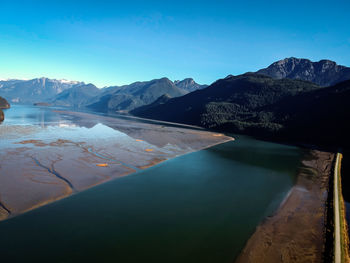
column 277, row 109
column 318, row 116
column 234, row 97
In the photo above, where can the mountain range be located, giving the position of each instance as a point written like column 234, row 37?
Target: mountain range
column 255, row 104
column 286, row 106
column 137, row 94
column 292, row 99
column 34, row 90
column 236, row 103
column 80, row 95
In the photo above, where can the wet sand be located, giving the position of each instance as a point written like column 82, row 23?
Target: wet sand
column 296, row 232
column 39, row 165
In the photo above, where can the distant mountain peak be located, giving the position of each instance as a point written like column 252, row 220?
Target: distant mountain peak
column 186, row 80
column 324, row 72
column 229, row 76
column 162, row 79
column 70, row 81
column 188, row 85
column 137, row 94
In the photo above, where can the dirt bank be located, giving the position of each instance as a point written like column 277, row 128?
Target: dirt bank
column 296, row 232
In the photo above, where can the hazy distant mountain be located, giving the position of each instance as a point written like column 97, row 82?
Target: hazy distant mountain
column 323, row 72
column 77, row 96
column 137, row 94
column 188, row 85
column 30, row 91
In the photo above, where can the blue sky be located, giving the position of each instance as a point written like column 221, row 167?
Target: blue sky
column 119, row 42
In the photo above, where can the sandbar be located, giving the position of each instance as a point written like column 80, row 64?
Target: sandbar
column 42, row 164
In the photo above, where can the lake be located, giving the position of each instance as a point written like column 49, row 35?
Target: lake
column 198, row 207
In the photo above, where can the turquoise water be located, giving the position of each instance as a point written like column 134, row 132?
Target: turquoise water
column 199, row 207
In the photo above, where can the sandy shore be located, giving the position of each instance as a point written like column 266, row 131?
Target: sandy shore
column 42, row 164
column 296, row 232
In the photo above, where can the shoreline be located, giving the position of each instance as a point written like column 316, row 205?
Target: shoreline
column 295, row 233
column 132, row 117
column 7, row 216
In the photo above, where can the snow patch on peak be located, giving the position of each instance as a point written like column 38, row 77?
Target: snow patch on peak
column 73, row 82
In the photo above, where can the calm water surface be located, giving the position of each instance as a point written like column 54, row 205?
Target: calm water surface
column 199, row 207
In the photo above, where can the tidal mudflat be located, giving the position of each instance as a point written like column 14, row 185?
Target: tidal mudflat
column 49, row 154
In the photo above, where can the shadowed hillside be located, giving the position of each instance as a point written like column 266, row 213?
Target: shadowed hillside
column 131, row 96
column 258, row 105
column 235, row 99
column 76, row 97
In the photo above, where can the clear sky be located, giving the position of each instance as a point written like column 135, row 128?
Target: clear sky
column 119, row 42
